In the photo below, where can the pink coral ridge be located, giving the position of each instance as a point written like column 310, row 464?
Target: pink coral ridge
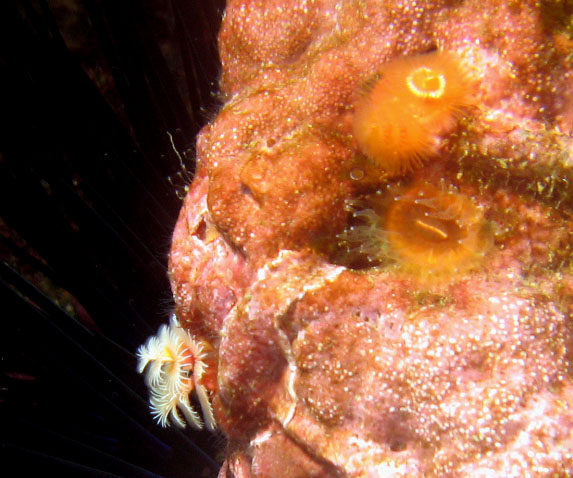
column 326, row 370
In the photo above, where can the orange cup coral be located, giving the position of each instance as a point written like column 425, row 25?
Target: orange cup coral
column 428, row 232
column 435, row 233
column 415, row 100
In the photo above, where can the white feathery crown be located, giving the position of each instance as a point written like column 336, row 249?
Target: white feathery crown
column 173, row 363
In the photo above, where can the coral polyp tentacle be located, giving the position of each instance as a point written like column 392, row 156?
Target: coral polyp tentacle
column 174, row 363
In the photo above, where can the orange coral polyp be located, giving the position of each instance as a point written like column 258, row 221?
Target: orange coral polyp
column 415, row 100
column 435, row 233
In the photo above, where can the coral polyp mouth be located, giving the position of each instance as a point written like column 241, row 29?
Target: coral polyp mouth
column 424, row 82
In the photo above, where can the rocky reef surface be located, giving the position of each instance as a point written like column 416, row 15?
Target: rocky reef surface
column 348, row 346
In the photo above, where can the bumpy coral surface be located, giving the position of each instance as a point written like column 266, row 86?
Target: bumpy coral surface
column 331, row 364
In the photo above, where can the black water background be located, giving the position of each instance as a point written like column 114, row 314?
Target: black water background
column 90, row 187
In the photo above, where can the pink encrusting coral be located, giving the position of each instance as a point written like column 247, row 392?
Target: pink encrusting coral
column 337, row 357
